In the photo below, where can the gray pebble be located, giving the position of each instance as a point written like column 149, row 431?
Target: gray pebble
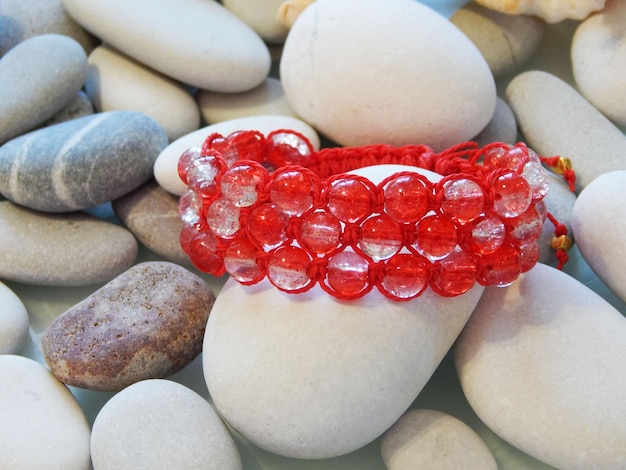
column 80, row 106
column 151, row 213
column 74, row 249
column 501, row 128
column 146, row 323
column 80, row 163
column 31, row 89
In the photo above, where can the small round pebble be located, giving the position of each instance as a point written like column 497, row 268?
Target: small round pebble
column 506, row 41
column 542, row 365
column 599, row 225
column 599, row 60
column 434, row 440
column 151, row 214
column 14, row 321
column 555, row 119
column 80, row 163
column 198, row 43
column 160, row 424
column 146, row 323
column 117, row 82
column 391, row 77
column 266, row 99
column 31, row 89
column 74, row 249
column 42, row 425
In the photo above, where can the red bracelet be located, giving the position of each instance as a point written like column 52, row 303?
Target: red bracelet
column 271, row 206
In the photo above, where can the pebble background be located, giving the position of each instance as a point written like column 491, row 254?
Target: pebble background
column 89, row 139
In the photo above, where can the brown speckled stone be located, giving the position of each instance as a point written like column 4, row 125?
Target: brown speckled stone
column 151, row 213
column 147, row 323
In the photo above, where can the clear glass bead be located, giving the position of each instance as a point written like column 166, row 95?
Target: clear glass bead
column 287, row 268
column 406, row 198
column 406, row 275
column 436, row 237
column 292, row 192
column 190, row 207
column 240, row 261
column 292, row 140
column 320, row 232
column 347, row 273
column 525, row 228
column 537, row 178
column 512, row 195
column 201, row 174
column 241, row 182
column 268, row 226
column 223, row 218
column 463, row 200
column 381, row 237
column 487, row 234
column 185, row 160
column 349, row 199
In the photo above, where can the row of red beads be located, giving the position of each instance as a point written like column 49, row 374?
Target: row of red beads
column 350, row 235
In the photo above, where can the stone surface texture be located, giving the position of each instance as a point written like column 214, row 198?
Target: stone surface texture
column 261, row 16
column 14, row 321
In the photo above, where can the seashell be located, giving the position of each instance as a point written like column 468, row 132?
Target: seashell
column 289, row 10
column 551, row 11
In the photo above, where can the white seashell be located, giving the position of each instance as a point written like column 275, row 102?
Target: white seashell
column 551, row 11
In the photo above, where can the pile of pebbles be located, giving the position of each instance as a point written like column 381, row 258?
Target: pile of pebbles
column 115, row 352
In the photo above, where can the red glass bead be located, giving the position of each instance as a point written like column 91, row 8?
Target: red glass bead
column 241, row 183
column 223, row 218
column 187, row 233
column 202, row 174
column 499, row 268
column 463, row 199
column 202, row 253
column 268, row 225
column 349, row 199
column 526, row 227
column 511, row 158
column 381, row 237
column 287, row 147
column 320, row 232
column 529, row 255
column 292, row 191
column 486, row 234
column 347, row 273
column 455, row 274
column 436, row 236
column 190, row 207
column 406, row 198
column 287, row 268
column 240, row 262
column 240, row 145
column 512, row 195
column 405, row 275
column 185, row 160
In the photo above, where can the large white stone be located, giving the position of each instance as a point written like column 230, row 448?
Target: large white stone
column 166, row 164
column 42, row 425
column 14, row 321
column 117, row 82
column 599, row 224
column 158, row 423
column 196, row 42
column 599, row 60
column 542, row 365
column 308, row 376
column 400, row 74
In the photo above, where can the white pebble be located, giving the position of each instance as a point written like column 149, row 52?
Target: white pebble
column 14, row 321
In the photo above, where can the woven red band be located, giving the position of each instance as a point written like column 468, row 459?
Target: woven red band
column 273, row 207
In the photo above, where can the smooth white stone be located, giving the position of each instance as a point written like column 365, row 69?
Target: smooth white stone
column 261, row 16
column 308, row 376
column 599, row 60
column 196, row 42
column 14, row 321
column 555, row 119
column 599, row 224
column 401, row 74
column 266, row 99
column 434, row 440
column 542, row 365
column 166, row 164
column 159, row 423
column 42, row 425
column 501, row 128
column 117, row 82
